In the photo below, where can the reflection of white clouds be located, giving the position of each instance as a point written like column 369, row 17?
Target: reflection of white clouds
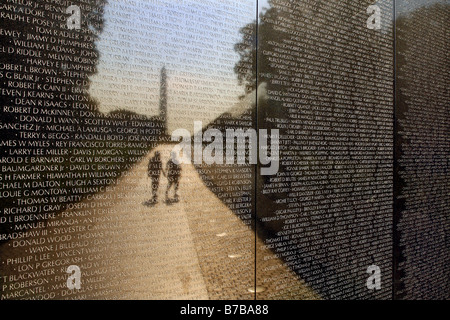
column 194, row 40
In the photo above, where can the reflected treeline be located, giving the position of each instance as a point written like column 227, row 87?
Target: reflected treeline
column 51, row 127
column 323, row 76
column 422, row 152
column 234, row 184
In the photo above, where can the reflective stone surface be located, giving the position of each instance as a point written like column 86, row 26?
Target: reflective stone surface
column 348, row 101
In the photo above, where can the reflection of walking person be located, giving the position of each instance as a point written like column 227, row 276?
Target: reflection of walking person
column 173, row 170
column 154, row 172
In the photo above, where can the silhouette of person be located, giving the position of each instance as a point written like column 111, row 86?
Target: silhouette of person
column 173, row 169
column 154, row 172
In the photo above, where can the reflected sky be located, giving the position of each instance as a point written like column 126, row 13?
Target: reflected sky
column 404, row 6
column 193, row 39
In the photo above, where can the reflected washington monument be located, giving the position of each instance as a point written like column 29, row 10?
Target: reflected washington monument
column 74, row 182
column 163, row 102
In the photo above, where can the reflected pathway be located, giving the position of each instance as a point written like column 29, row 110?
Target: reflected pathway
column 196, row 248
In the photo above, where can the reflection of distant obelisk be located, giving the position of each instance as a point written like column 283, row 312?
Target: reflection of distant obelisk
column 163, row 100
